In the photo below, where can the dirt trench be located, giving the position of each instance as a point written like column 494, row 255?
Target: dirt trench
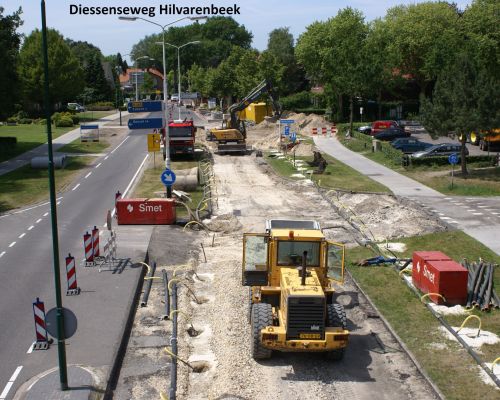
column 374, row 366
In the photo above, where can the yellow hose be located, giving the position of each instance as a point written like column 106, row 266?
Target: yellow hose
column 166, row 350
column 190, row 223
column 404, row 270
column 147, row 266
column 173, row 280
column 163, row 396
column 494, row 363
column 465, row 321
column 431, row 294
column 177, row 312
column 148, row 278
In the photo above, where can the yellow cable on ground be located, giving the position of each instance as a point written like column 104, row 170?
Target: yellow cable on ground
column 163, row 396
column 465, row 321
column 147, row 266
column 166, row 350
column 177, row 312
column 173, row 280
column 190, row 223
column 407, row 269
column 147, row 278
column 431, row 294
column 494, row 363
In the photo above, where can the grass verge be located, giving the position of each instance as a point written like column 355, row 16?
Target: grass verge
column 28, row 137
column 77, row 146
column 27, row 186
column 336, row 176
column 479, row 182
column 446, row 362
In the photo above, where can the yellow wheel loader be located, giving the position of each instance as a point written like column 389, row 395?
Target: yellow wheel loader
column 290, row 270
column 231, row 137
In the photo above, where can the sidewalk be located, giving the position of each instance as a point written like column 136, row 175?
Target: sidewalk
column 25, row 158
column 479, row 217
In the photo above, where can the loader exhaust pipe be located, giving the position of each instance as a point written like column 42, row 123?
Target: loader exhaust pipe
column 304, row 268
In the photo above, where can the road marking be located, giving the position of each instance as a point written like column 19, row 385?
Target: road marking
column 441, row 213
column 471, row 210
column 444, row 217
column 453, row 222
column 58, row 203
column 482, row 206
column 98, row 165
column 22, row 235
column 9, row 384
column 448, row 198
column 45, row 214
column 30, row 350
column 495, row 213
column 86, row 176
column 76, row 187
column 131, row 182
column 106, row 157
column 477, row 214
column 2, row 253
column 117, row 147
column 38, row 220
column 12, row 244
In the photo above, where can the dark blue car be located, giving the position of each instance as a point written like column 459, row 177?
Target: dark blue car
column 410, row 145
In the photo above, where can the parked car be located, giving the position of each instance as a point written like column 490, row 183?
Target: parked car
column 76, row 107
column 443, row 150
column 365, row 129
column 391, row 134
column 379, row 126
column 410, row 145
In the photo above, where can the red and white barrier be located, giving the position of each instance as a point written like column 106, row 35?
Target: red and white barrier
column 314, row 131
column 73, row 288
column 95, row 241
column 42, row 341
column 323, row 131
column 88, row 250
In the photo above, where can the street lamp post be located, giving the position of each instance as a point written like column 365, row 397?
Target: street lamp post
column 179, row 69
column 165, row 88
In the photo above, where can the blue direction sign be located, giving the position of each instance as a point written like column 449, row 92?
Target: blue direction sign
column 168, row 177
column 286, row 121
column 146, row 123
column 287, row 130
column 144, row 106
column 293, row 137
column 453, row 158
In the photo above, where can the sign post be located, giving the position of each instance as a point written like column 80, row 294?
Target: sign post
column 154, row 140
column 168, row 178
column 146, row 123
column 453, row 159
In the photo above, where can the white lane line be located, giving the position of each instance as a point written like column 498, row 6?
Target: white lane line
column 38, row 220
column 58, row 203
column 2, row 253
column 76, row 187
column 98, row 165
column 448, row 198
column 12, row 244
column 453, row 222
column 45, row 214
column 9, row 384
column 131, row 181
column 86, row 176
column 117, row 147
column 29, row 208
column 477, row 214
column 482, row 206
column 22, row 235
column 444, row 218
column 495, row 213
column 30, row 350
column 442, row 214
column 106, row 157
column 471, row 210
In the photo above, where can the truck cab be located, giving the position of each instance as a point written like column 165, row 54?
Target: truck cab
column 291, row 270
column 182, row 137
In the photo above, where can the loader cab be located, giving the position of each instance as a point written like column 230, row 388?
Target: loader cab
column 283, row 245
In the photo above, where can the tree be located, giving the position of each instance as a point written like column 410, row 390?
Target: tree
column 424, row 39
column 9, row 48
column 65, row 74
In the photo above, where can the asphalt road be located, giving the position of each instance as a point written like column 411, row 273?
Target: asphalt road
column 26, row 270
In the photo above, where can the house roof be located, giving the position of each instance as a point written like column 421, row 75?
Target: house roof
column 125, row 77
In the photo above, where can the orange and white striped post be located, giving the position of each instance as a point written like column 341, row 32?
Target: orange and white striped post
column 42, row 341
column 88, row 250
column 314, row 131
column 73, row 288
column 323, row 131
column 95, row 241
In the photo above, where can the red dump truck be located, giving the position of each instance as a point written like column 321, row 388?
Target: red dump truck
column 182, row 137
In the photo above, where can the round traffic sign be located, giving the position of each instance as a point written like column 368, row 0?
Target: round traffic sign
column 168, row 177
column 70, row 322
column 453, row 158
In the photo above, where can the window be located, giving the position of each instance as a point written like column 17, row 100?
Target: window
column 291, row 253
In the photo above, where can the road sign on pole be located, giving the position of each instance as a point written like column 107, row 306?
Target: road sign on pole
column 168, row 177
column 154, row 140
column 144, row 106
column 293, row 137
column 453, row 159
column 287, row 130
column 287, row 121
column 145, row 123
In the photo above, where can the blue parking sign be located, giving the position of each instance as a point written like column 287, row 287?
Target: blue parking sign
column 287, row 130
column 453, row 158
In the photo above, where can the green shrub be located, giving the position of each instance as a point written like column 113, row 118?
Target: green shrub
column 25, row 121
column 101, row 106
column 12, row 120
column 444, row 160
column 297, row 100
column 75, row 118
column 319, row 111
column 64, row 122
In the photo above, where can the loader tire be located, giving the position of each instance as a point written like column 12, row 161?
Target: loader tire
column 262, row 316
column 249, row 312
column 335, row 316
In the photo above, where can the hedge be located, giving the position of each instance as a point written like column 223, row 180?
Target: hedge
column 489, row 160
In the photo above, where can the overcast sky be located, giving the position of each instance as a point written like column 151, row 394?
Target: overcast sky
column 258, row 16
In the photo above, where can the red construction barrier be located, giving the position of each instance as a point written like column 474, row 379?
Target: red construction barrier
column 73, row 288
column 145, row 211
column 314, row 131
column 95, row 241
column 323, row 130
column 42, row 341
column 88, row 248
column 333, row 130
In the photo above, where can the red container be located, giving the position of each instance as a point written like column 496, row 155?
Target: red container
column 420, row 260
column 448, row 278
column 145, row 211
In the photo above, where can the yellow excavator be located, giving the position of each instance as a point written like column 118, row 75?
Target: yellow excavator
column 231, row 137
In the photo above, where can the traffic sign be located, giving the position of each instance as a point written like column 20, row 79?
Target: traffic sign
column 453, row 158
column 154, row 140
column 286, row 121
column 287, row 130
column 70, row 323
column 144, row 106
column 168, row 177
column 293, row 137
column 145, row 123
